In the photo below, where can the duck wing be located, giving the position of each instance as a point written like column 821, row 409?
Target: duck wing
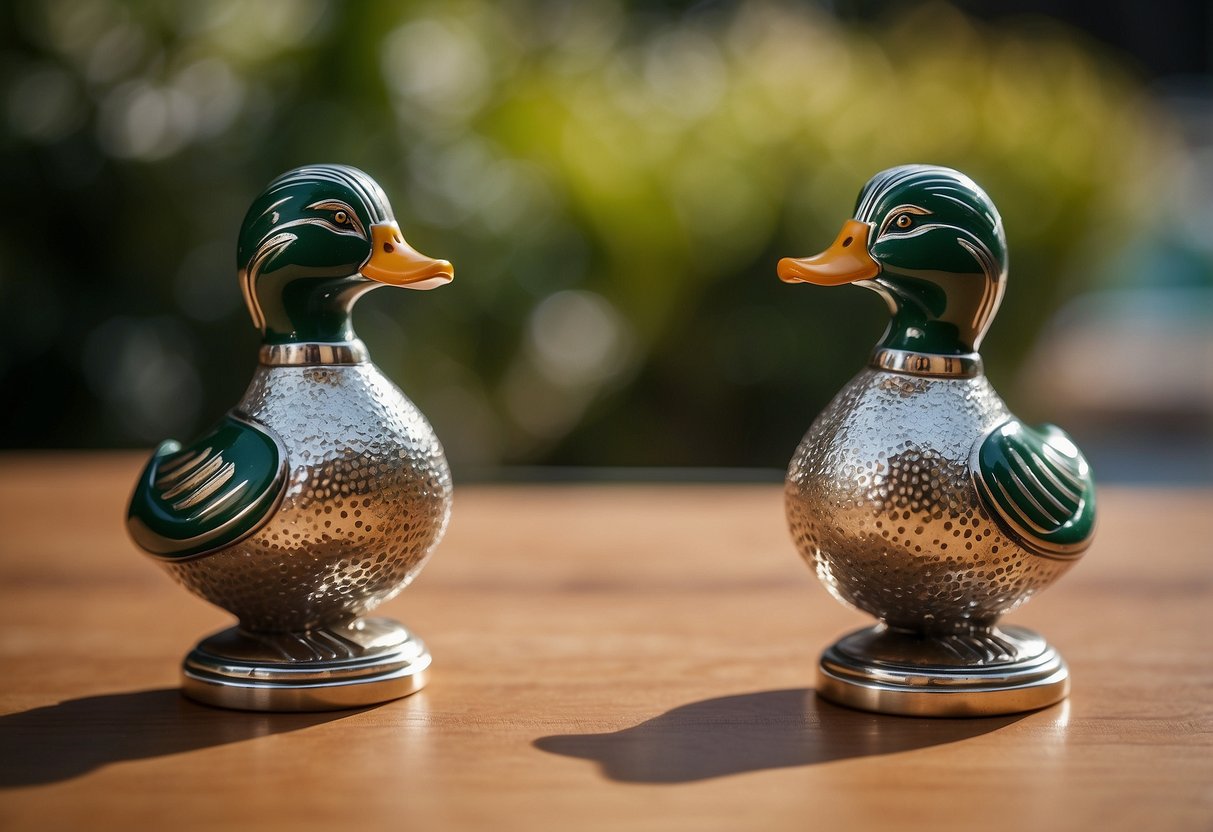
column 193, row 500
column 1038, row 485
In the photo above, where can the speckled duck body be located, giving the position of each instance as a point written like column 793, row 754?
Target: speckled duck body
column 367, row 500
column 881, row 503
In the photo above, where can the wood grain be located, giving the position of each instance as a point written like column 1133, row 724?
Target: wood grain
column 606, row 657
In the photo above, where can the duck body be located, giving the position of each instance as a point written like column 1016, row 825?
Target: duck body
column 366, row 498
column 881, row 501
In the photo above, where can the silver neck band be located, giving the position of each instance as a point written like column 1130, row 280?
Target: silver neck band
column 310, row 354
column 927, row 364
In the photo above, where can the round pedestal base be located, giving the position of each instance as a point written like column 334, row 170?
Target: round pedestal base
column 999, row 671
column 364, row 662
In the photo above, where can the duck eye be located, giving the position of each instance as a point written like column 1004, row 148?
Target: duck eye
column 341, row 217
column 903, row 221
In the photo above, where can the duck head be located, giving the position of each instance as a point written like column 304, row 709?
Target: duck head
column 315, row 240
column 931, row 243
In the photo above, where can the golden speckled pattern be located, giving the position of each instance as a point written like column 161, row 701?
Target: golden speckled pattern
column 369, row 497
column 880, row 501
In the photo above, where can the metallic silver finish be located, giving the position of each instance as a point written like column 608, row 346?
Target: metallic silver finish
column 368, row 497
column 368, row 661
column 309, row 354
column 907, row 539
column 926, row 363
column 882, row 504
column 997, row 671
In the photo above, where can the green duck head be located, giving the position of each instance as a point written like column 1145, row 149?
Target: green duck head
column 931, row 243
column 315, row 240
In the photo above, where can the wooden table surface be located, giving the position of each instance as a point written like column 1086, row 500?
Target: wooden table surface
column 605, row 657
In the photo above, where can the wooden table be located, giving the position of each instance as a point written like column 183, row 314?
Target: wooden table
column 606, row 657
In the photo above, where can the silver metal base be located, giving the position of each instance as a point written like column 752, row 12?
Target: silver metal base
column 364, row 662
column 997, row 671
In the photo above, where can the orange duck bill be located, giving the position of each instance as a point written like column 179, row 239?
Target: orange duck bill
column 395, row 262
column 845, row 261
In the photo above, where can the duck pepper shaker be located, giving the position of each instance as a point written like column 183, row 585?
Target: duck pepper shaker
column 916, row 495
column 323, row 491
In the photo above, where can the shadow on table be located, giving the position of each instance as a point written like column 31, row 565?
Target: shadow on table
column 756, row 731
column 59, row 742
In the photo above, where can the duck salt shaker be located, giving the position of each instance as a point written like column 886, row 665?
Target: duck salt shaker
column 916, row 495
column 324, row 490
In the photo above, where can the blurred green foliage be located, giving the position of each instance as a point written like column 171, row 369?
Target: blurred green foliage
column 614, row 186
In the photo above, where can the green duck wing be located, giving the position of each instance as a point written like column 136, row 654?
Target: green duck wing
column 193, row 500
column 1038, row 485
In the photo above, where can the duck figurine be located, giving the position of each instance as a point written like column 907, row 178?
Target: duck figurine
column 916, row 495
column 324, row 490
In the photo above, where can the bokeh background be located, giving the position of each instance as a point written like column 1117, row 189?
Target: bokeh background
column 614, row 183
